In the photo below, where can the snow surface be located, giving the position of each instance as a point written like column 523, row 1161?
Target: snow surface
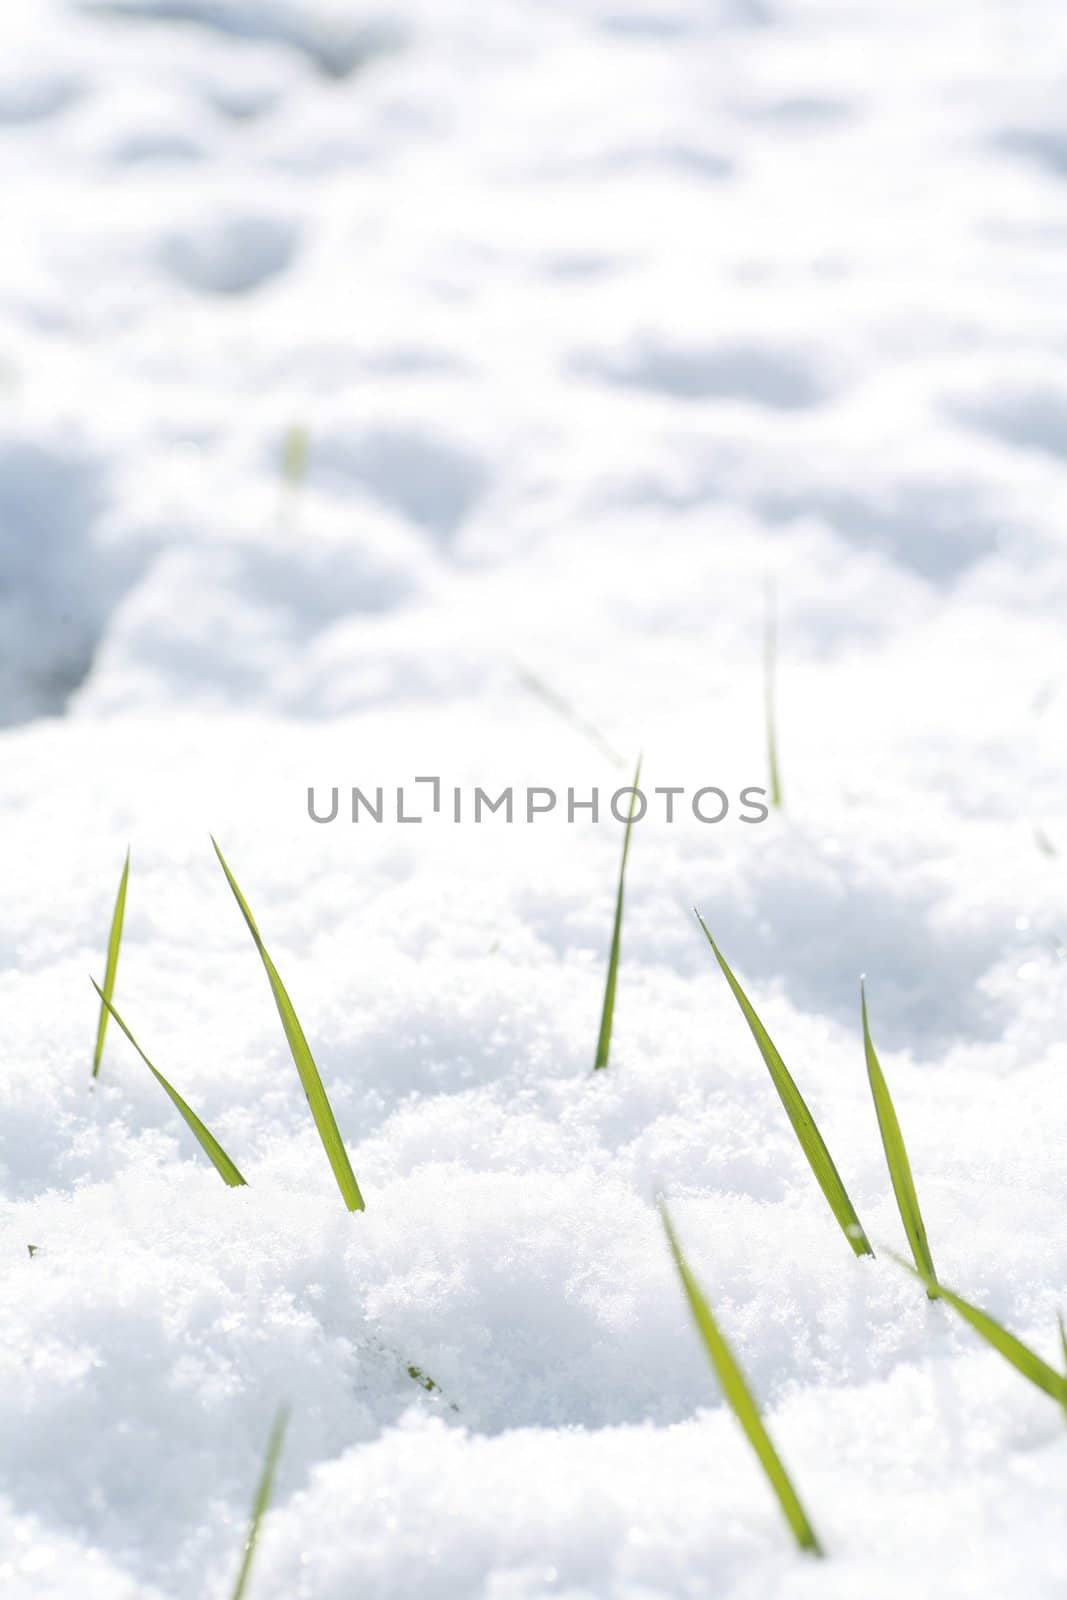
column 594, row 315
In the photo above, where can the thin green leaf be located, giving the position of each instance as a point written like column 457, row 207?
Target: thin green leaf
column 114, row 939
column 1044, row 843
column 607, row 1015
column 1063, row 1337
column 811, row 1141
column 321, row 1109
column 1019, row 1355
column 264, row 1490
column 563, row 708
column 204, row 1137
column 424, row 1381
column 770, row 663
column 739, row 1396
column 896, row 1156
column 295, row 454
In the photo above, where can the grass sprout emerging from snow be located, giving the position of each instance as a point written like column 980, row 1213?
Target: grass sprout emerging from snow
column 294, row 460
column 317, row 1099
column 1017, row 1354
column 770, row 664
column 607, row 1015
column 226, row 1169
column 114, row 940
column 264, row 1490
column 295, row 455
column 811, row 1140
column 739, row 1396
column 563, row 708
column 896, row 1156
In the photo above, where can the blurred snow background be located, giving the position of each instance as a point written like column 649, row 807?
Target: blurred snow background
column 586, row 318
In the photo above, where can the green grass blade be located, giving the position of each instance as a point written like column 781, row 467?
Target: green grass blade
column 204, row 1137
column 264, row 1490
column 607, row 1015
column 114, row 939
column 770, row 664
column 811, row 1141
column 563, row 708
column 739, row 1396
column 896, row 1157
column 295, row 454
column 1019, row 1355
column 424, row 1381
column 321, row 1109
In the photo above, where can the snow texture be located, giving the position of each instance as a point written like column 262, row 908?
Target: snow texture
column 371, row 375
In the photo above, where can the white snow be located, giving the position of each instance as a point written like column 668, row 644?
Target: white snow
column 595, row 315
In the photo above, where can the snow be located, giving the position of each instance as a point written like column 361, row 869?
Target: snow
column 594, row 316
